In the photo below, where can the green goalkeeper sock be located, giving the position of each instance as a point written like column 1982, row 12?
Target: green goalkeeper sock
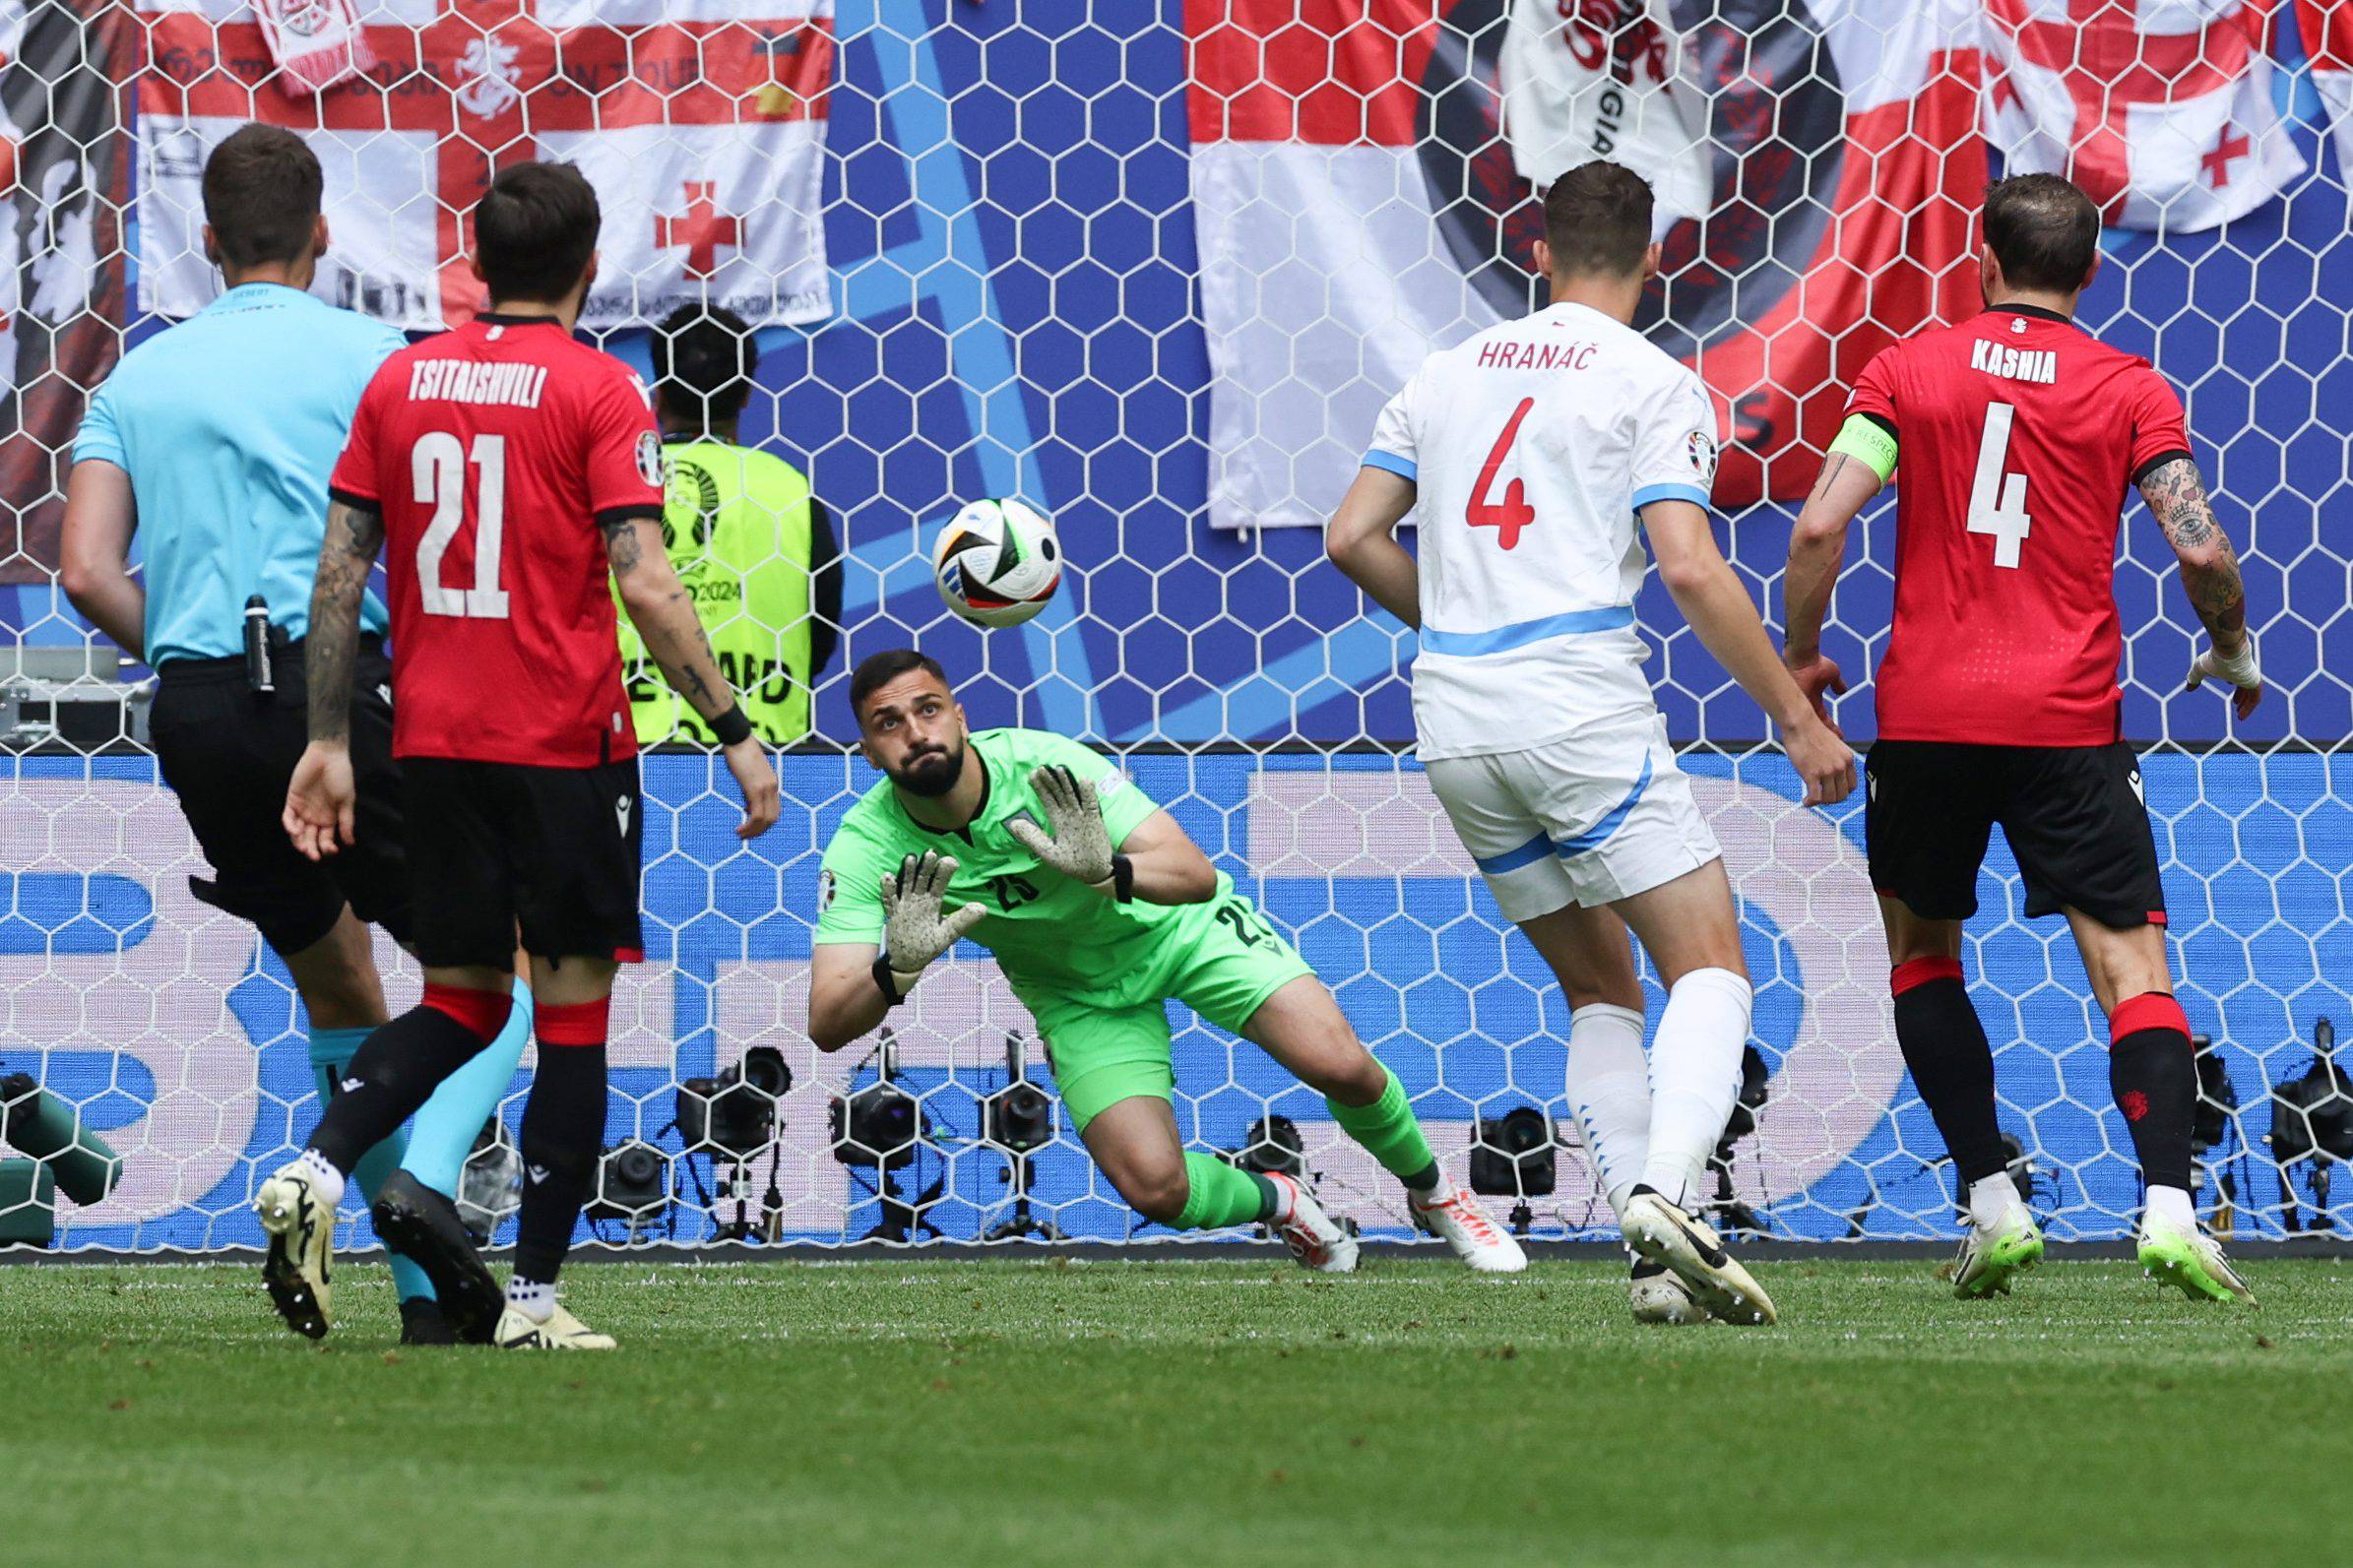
column 1218, row 1195
column 1390, row 1134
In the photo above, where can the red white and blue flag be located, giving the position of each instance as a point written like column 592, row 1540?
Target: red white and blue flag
column 701, row 123
column 2326, row 29
column 1365, row 173
column 2160, row 109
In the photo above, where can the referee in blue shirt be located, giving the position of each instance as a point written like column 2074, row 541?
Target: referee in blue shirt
column 213, row 441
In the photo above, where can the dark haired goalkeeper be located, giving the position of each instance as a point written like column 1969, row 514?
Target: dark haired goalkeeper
column 1100, row 911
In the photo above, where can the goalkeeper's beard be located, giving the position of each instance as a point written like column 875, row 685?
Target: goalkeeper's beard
column 931, row 774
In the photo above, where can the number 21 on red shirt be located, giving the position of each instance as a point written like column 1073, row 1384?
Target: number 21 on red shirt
column 1513, row 513
column 437, row 469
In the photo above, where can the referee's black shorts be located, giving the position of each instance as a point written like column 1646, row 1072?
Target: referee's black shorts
column 2074, row 815
column 496, row 849
column 228, row 753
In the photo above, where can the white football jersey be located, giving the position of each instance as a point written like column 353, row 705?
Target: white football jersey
column 1532, row 446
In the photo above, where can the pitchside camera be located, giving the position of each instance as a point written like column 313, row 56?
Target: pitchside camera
column 878, row 1126
column 1512, row 1154
column 734, row 1113
column 632, row 1185
column 1275, row 1149
column 2312, row 1120
column 1020, row 1118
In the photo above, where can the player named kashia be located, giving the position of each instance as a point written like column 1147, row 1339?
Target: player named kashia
column 1998, row 699
column 1537, row 452
column 212, row 442
column 502, row 467
column 1100, row 911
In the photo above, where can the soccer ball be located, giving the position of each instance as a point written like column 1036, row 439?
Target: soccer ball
column 997, row 562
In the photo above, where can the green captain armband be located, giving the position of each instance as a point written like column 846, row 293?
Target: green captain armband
column 1868, row 443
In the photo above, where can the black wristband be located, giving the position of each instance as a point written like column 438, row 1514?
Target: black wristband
column 731, row 727
column 1123, row 879
column 883, row 981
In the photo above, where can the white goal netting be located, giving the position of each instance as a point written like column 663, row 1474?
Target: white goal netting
column 1153, row 267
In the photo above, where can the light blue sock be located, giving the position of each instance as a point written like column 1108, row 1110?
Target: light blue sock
column 331, row 1050
column 445, row 1129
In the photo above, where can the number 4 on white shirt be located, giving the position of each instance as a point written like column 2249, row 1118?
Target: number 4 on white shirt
column 2004, row 519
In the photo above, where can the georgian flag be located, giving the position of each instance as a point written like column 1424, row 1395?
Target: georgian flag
column 701, row 123
column 2160, row 109
column 1365, row 179
column 2326, row 26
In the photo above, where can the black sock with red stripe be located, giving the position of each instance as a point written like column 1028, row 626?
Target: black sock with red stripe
column 563, row 1133
column 400, row 1066
column 2155, row 1075
column 1952, row 1065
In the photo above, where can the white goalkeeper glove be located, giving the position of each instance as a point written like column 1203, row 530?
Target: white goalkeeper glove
column 1080, row 845
column 2241, row 670
column 915, row 929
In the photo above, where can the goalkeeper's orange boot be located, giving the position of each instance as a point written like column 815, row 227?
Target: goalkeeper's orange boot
column 1313, row 1237
column 1455, row 1216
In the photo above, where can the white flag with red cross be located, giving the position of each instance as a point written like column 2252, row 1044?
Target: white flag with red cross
column 701, row 124
column 2160, row 109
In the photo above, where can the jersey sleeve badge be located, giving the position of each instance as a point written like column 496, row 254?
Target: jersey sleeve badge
column 1700, row 448
column 824, row 891
column 648, row 458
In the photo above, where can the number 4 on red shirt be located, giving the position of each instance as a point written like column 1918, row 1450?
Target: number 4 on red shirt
column 1512, row 513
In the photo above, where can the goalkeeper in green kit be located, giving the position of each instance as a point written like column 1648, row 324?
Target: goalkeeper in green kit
column 1100, row 911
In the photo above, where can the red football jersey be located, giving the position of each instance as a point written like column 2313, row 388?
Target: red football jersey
column 496, row 452
column 2017, row 435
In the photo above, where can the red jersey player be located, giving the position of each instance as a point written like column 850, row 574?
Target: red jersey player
column 505, row 467
column 1998, row 699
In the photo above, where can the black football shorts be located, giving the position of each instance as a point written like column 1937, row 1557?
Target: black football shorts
column 2074, row 815
column 228, row 753
column 498, row 848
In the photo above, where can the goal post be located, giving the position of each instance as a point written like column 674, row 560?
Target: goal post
column 1153, row 273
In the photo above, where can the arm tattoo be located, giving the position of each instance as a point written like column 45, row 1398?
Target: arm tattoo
column 621, row 546
column 673, row 634
column 1831, row 468
column 352, row 539
column 2178, row 500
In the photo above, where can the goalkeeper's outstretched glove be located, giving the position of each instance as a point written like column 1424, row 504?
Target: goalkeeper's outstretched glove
column 915, row 929
column 1080, row 845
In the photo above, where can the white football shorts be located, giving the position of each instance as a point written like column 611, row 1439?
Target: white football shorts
column 1599, row 816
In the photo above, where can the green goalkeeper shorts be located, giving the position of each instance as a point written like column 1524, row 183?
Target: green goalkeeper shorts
column 1223, row 961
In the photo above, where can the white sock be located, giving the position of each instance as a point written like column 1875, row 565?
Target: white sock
column 2174, row 1205
column 1608, row 1094
column 1991, row 1197
column 1695, row 1077
column 535, row 1300
column 325, row 1179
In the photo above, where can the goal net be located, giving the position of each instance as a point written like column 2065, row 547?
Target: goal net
column 1154, row 268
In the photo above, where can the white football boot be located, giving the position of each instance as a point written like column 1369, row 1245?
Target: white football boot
column 1663, row 1234
column 1993, row 1256
column 1454, row 1214
column 1313, row 1237
column 1656, row 1295
column 519, row 1330
column 300, row 1227
column 2189, row 1261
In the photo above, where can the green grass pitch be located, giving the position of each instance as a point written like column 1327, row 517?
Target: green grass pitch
column 1195, row 1412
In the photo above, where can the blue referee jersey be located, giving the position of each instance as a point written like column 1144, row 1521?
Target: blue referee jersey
column 228, row 426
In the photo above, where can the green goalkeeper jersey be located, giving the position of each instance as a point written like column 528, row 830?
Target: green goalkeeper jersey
column 1050, row 935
